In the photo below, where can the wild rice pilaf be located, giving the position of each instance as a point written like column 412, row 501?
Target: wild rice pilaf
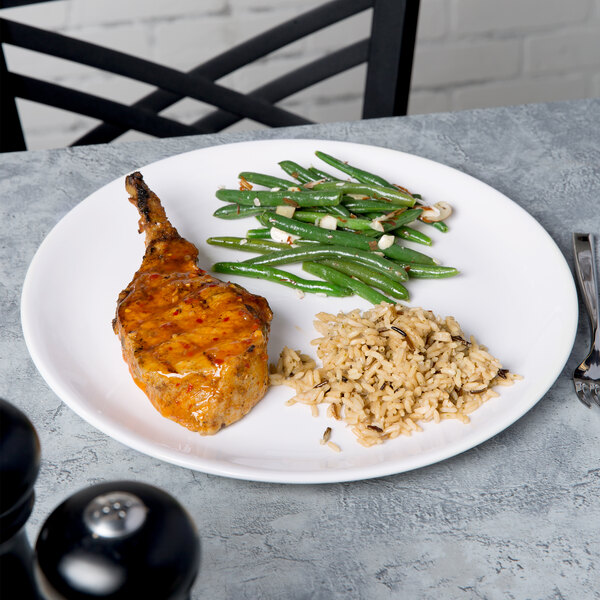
column 389, row 368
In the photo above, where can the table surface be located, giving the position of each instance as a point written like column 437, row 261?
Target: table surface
column 516, row 517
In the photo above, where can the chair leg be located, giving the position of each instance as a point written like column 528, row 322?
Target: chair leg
column 391, row 51
column 11, row 132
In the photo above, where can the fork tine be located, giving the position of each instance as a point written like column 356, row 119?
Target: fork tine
column 581, row 393
column 595, row 390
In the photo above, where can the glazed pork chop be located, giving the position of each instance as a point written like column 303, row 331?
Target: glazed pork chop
column 195, row 345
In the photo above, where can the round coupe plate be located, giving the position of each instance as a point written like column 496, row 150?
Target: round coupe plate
column 527, row 317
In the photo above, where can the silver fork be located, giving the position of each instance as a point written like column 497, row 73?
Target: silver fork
column 586, row 377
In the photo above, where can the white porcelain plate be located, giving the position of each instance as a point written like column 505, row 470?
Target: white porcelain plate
column 515, row 293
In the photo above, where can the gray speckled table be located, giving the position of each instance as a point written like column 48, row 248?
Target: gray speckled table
column 516, row 517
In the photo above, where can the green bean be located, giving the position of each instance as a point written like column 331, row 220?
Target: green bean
column 374, row 215
column 263, row 198
column 309, row 216
column 368, row 276
column 235, row 211
column 394, row 224
column 321, row 210
column 247, row 244
column 338, row 211
column 366, row 206
column 263, row 219
column 296, row 171
column 338, row 278
column 267, row 180
column 365, row 225
column 439, row 225
column 314, row 252
column 407, row 255
column 428, row 271
column 358, row 224
column 371, row 190
column 401, row 219
column 262, row 244
column 345, row 238
column 305, row 175
column 260, row 233
column 283, row 277
column 358, row 174
column 413, row 235
column 322, row 174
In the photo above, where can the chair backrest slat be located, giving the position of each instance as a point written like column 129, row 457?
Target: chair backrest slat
column 89, row 105
column 281, row 35
column 294, row 81
column 16, row 3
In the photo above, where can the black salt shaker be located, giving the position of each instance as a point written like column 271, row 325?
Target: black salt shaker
column 118, row 540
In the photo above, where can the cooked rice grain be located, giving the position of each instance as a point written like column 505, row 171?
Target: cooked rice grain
column 389, row 368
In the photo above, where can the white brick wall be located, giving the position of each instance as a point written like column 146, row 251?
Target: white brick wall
column 469, row 53
column 449, row 65
column 481, row 17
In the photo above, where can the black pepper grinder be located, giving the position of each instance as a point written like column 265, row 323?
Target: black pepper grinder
column 117, row 540
column 19, row 466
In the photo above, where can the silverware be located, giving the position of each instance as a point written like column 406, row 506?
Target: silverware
column 586, row 377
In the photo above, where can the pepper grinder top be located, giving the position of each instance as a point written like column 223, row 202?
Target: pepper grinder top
column 118, row 540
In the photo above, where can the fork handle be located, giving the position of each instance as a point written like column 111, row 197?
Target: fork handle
column 585, row 269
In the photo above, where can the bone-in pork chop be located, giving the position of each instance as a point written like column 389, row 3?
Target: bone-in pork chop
column 197, row 346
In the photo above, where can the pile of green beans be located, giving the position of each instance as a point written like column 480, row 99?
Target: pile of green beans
column 349, row 259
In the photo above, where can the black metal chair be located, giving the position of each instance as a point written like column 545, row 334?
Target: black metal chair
column 388, row 51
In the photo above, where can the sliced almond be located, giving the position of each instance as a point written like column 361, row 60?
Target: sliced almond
column 376, row 225
column 285, row 211
column 385, row 241
column 309, row 185
column 438, row 212
column 358, row 196
column 278, row 235
column 328, row 222
column 444, row 208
